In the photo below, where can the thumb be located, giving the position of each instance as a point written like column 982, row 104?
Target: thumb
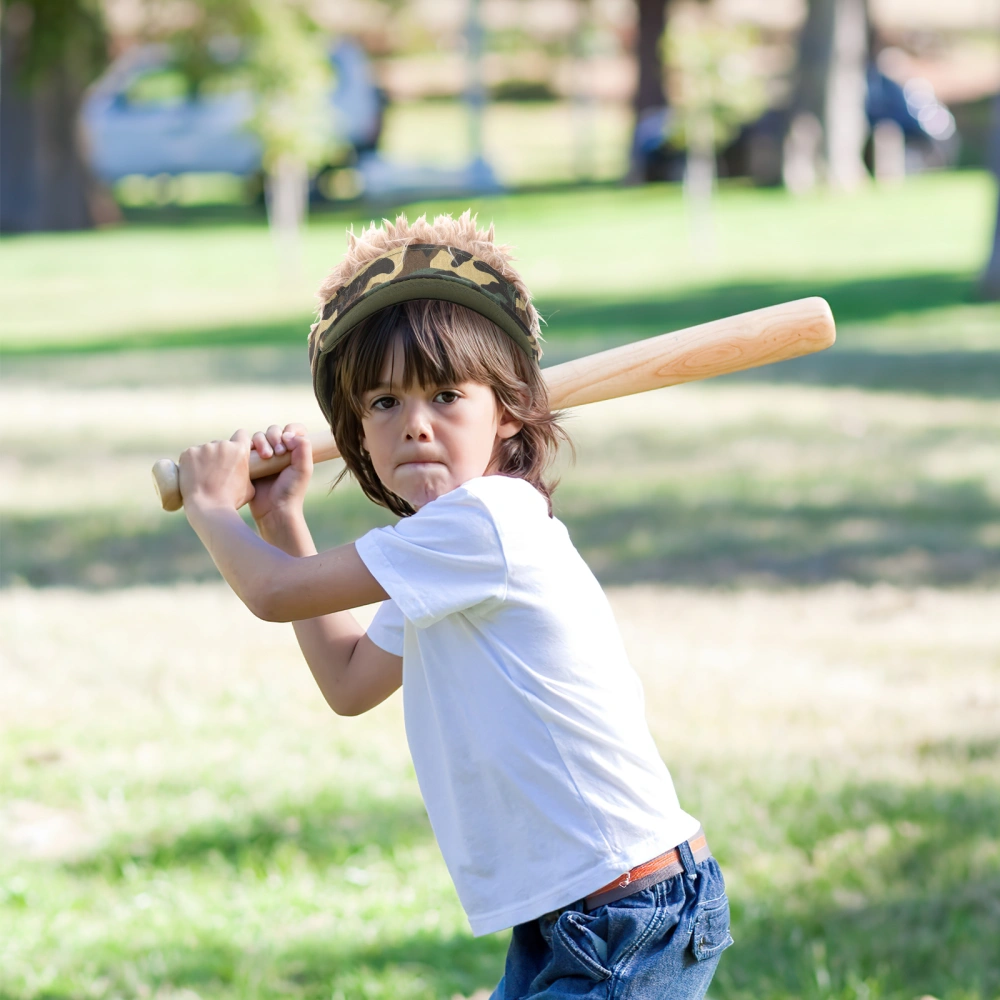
column 301, row 452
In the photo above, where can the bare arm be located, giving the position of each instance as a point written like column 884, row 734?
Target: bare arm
column 281, row 577
column 352, row 672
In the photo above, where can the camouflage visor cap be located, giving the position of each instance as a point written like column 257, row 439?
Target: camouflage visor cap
column 425, row 271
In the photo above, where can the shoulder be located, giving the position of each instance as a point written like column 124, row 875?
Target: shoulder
column 503, row 495
column 479, row 513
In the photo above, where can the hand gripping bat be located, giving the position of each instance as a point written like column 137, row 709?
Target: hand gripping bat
column 733, row 344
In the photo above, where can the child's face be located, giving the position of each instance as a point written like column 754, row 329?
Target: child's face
column 426, row 440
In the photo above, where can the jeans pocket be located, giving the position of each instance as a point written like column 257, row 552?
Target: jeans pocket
column 711, row 929
column 579, row 936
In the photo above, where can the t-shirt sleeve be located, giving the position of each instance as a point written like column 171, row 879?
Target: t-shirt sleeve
column 386, row 628
column 444, row 559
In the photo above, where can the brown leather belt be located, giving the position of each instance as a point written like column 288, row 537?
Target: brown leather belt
column 641, row 877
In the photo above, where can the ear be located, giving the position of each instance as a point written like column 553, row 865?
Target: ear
column 507, row 426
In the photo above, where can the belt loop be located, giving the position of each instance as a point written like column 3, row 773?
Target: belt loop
column 687, row 859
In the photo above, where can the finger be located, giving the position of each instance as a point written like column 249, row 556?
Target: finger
column 274, row 436
column 241, row 437
column 301, row 448
column 292, row 432
column 262, row 445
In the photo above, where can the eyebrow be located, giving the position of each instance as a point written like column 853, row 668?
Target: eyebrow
column 393, row 386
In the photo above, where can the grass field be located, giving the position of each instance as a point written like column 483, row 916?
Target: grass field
column 804, row 562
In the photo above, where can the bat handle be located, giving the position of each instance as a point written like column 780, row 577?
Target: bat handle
column 167, row 482
column 166, row 475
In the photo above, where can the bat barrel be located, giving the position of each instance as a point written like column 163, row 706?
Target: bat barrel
column 735, row 343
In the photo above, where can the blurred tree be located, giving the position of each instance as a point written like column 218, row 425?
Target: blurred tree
column 650, row 100
column 284, row 61
column 828, row 127
column 989, row 284
column 715, row 90
column 50, row 50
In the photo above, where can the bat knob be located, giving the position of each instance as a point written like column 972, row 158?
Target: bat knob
column 166, row 479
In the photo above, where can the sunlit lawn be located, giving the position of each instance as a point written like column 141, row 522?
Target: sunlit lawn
column 896, row 265
column 804, row 562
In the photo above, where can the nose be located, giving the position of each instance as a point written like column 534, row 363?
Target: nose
column 418, row 425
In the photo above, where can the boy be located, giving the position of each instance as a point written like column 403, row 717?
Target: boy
column 552, row 808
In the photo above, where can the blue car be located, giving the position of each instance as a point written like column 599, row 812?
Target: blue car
column 140, row 117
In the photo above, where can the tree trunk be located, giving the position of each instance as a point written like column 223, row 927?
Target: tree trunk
column 989, row 284
column 699, row 184
column 475, row 89
column 287, row 205
column 584, row 105
column 845, row 123
column 830, row 88
column 650, row 101
column 46, row 183
column 63, row 175
column 18, row 178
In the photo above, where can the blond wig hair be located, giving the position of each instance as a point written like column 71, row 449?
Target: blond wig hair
column 462, row 233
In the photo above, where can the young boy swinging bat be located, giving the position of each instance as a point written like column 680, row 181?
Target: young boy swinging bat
column 525, row 721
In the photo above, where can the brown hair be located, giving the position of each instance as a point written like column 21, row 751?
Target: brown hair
column 442, row 343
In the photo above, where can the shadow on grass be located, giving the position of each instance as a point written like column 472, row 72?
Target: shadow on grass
column 855, row 300
column 974, row 374
column 100, row 550
column 326, row 830
column 933, row 539
column 897, row 900
column 422, row 966
column 902, row 894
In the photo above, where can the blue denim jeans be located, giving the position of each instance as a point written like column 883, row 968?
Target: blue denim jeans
column 662, row 943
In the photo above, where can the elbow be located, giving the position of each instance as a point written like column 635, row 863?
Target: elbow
column 344, row 699
column 342, row 703
column 266, row 614
column 346, row 710
column 266, row 603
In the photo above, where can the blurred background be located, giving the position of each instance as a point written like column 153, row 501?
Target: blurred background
column 804, row 559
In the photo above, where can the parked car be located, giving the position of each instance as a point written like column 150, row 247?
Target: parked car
column 142, row 118
column 928, row 128
column 927, row 125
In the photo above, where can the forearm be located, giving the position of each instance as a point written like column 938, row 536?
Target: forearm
column 277, row 586
column 279, row 575
column 288, row 531
column 247, row 563
column 327, row 641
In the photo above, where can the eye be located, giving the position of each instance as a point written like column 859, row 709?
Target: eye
column 383, row 403
column 447, row 396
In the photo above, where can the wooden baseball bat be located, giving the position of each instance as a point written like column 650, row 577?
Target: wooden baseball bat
column 733, row 344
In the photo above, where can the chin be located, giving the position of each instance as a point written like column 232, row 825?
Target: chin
column 419, row 494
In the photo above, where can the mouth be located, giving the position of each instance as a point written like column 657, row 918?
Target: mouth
column 419, row 465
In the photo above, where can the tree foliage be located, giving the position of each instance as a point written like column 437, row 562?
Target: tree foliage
column 714, row 85
column 60, row 33
column 281, row 55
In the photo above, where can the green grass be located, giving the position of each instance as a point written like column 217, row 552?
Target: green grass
column 599, row 261
column 182, row 812
column 803, row 560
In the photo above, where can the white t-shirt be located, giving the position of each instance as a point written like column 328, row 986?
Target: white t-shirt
column 524, row 718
